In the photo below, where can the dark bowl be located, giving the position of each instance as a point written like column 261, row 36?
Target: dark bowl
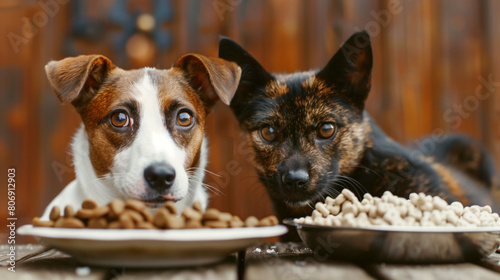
column 399, row 244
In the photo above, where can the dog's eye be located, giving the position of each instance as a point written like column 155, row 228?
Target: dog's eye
column 326, row 130
column 120, row 118
column 184, row 118
column 268, row 133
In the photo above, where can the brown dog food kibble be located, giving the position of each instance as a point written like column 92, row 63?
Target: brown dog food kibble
column 55, row 213
column 115, row 225
column 251, row 221
column 38, row 223
column 174, row 222
column 68, row 211
column 160, row 217
column 89, row 204
column 97, row 223
column 70, row 222
column 216, row 224
column 133, row 214
column 193, row 224
column 225, row 217
column 191, row 214
column 145, row 225
column 116, row 207
column 170, row 206
column 269, row 221
column 126, row 221
column 197, row 206
column 236, row 222
column 136, row 205
column 92, row 213
column 147, row 216
column 211, row 214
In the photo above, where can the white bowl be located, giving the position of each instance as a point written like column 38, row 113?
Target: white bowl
column 150, row 247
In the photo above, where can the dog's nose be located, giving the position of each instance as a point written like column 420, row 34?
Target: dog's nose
column 159, row 176
column 296, row 178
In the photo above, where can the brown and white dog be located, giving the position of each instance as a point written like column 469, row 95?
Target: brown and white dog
column 143, row 130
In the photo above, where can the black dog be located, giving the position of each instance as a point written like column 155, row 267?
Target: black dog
column 312, row 137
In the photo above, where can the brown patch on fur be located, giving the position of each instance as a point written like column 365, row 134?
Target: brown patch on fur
column 196, row 83
column 276, row 89
column 353, row 148
column 451, row 183
column 104, row 142
column 317, row 86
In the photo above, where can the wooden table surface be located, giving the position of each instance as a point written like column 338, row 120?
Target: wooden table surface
column 262, row 262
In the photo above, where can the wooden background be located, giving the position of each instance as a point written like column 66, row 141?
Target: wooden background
column 430, row 58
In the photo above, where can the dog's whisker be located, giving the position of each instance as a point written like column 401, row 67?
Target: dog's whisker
column 332, row 192
column 346, row 183
column 213, row 188
column 214, row 191
column 321, row 195
column 309, row 203
column 354, row 188
column 210, row 188
column 357, row 186
column 361, row 187
column 194, row 169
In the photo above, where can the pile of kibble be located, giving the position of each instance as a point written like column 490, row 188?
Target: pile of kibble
column 419, row 210
column 133, row 214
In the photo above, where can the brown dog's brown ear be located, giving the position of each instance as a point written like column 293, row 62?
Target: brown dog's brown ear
column 212, row 78
column 76, row 79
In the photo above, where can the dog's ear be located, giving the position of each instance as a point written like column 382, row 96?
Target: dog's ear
column 253, row 74
column 212, row 78
column 349, row 70
column 75, row 79
column 252, row 71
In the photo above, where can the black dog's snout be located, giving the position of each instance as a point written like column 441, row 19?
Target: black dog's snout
column 295, row 178
column 159, row 176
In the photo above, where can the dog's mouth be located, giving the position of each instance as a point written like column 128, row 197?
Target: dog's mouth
column 300, row 200
column 159, row 201
column 297, row 203
column 306, row 199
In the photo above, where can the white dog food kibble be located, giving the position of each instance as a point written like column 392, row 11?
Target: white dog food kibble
column 418, row 210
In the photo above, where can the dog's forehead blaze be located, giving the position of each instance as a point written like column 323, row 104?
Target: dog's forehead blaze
column 275, row 89
column 174, row 88
column 316, row 86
